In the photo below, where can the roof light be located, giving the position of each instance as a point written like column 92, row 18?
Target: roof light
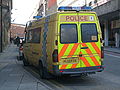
column 86, row 8
column 68, row 8
column 37, row 17
column 64, row 8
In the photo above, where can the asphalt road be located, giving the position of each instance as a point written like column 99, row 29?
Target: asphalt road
column 14, row 76
column 109, row 79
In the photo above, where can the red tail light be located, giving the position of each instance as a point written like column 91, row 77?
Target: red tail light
column 55, row 55
column 102, row 52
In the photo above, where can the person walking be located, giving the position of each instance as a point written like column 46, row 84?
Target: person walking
column 17, row 40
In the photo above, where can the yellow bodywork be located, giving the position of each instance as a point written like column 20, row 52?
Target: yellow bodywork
column 90, row 57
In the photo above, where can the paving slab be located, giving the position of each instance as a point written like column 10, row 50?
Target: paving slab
column 13, row 75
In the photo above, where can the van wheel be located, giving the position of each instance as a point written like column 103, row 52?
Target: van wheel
column 43, row 72
column 25, row 62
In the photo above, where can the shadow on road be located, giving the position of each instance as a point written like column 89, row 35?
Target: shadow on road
column 90, row 80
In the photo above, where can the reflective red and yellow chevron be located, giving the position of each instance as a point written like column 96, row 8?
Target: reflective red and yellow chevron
column 90, row 56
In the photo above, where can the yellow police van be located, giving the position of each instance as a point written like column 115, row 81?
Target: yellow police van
column 68, row 42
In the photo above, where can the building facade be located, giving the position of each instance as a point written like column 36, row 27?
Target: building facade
column 108, row 12
column 42, row 8
column 35, row 11
column 47, row 7
column 5, row 22
column 109, row 16
column 17, row 30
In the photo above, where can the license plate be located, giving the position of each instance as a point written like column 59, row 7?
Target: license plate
column 69, row 61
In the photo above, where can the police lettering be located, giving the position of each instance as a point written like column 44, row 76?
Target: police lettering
column 76, row 18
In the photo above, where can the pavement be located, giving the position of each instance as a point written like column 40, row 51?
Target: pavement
column 13, row 75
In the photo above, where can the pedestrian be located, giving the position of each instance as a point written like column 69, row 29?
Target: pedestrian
column 10, row 40
column 17, row 40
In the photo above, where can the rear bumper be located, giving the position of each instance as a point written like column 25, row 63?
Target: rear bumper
column 74, row 71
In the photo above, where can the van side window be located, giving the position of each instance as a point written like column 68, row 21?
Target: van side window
column 68, row 33
column 89, row 32
column 36, row 35
column 29, row 36
column 33, row 35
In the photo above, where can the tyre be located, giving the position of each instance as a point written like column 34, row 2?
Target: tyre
column 25, row 62
column 43, row 72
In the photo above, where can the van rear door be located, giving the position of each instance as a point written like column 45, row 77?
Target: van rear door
column 68, row 41
column 78, row 41
column 90, row 40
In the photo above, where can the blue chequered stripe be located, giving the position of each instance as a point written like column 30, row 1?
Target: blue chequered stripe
column 44, row 52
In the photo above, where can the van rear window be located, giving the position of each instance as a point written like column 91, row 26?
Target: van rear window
column 89, row 32
column 68, row 33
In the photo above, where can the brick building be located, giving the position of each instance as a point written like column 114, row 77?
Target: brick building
column 17, row 30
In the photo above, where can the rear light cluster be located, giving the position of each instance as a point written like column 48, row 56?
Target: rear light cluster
column 102, row 52
column 55, row 55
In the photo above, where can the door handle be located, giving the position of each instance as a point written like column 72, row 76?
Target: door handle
column 84, row 47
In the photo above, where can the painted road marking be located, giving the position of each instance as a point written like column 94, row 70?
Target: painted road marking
column 113, row 55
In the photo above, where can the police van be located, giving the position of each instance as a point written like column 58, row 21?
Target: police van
column 68, row 42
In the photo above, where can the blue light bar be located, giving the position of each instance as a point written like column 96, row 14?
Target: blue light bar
column 64, row 8
column 68, row 8
column 37, row 17
column 86, row 8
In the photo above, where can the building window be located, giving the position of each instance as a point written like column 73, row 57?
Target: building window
column 29, row 36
